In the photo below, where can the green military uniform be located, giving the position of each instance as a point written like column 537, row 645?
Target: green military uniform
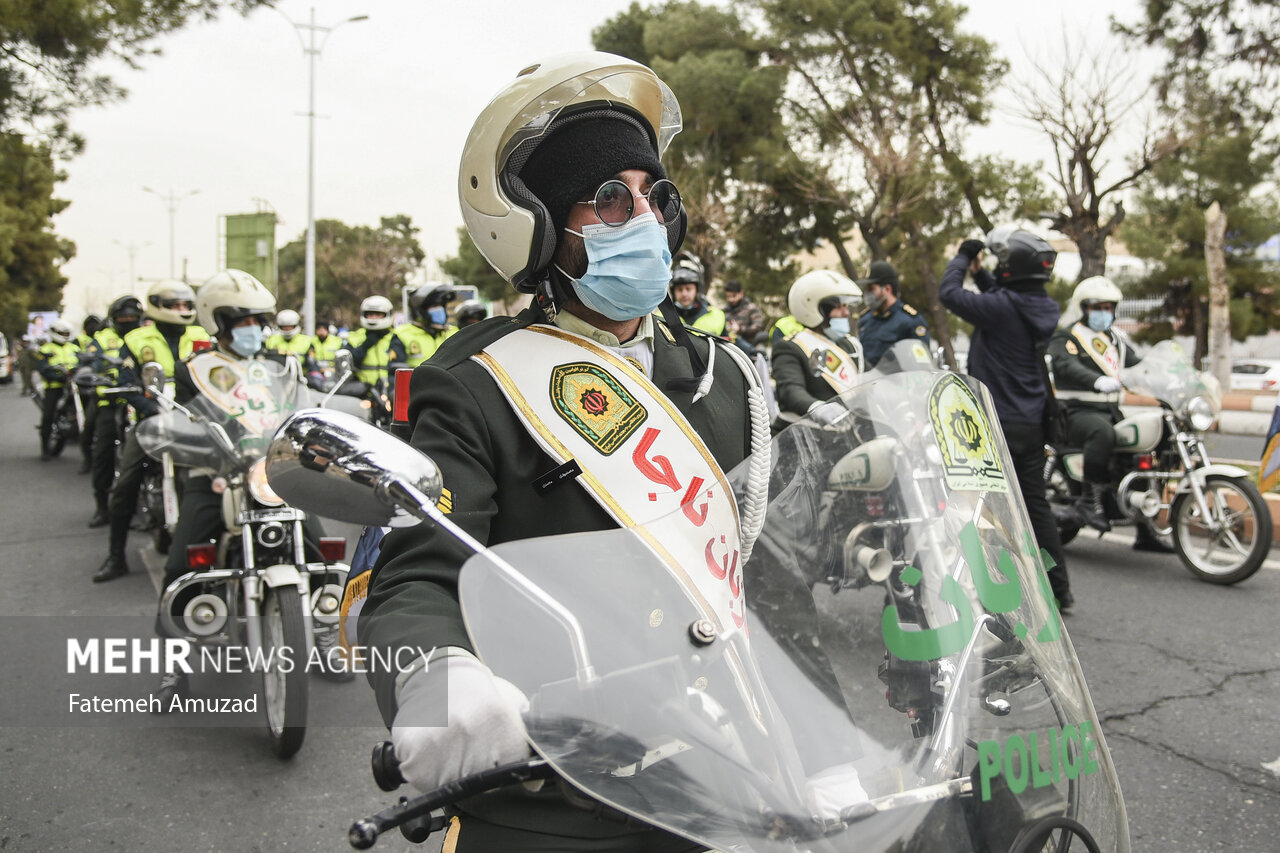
column 1090, row 413
column 490, row 463
column 421, row 344
column 797, row 387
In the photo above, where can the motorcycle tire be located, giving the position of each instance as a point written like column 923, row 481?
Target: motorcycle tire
column 55, row 442
column 284, row 694
column 1234, row 553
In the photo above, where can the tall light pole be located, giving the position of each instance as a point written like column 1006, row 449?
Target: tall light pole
column 312, row 50
column 132, row 249
column 171, row 200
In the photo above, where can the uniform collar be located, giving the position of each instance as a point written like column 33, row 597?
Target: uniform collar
column 579, row 326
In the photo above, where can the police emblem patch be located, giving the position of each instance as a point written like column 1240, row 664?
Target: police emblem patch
column 596, row 405
column 223, row 378
column 964, row 435
column 1099, row 346
column 147, row 354
column 832, row 360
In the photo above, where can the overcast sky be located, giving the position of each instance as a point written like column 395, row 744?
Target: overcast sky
column 220, row 113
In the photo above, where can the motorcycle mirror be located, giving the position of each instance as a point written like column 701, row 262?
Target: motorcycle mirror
column 343, row 362
column 153, row 378
column 331, row 464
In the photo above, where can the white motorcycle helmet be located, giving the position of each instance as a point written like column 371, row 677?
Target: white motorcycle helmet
column 288, row 323
column 171, row 302
column 509, row 224
column 1092, row 290
column 60, row 331
column 815, row 294
column 229, row 297
column 376, row 305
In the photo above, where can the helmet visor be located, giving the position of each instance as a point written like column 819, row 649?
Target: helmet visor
column 631, row 87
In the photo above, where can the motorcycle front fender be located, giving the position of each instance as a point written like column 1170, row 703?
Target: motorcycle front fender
column 1216, row 469
column 279, row 575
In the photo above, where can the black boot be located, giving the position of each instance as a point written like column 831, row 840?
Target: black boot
column 1148, row 541
column 113, row 567
column 100, row 516
column 1090, row 507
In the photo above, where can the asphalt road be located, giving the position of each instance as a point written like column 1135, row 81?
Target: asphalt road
column 1185, row 677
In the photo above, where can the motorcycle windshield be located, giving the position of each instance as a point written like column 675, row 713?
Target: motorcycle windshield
column 890, row 672
column 1167, row 374
column 248, row 399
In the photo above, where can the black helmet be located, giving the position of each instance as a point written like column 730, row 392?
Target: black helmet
column 430, row 296
column 1021, row 256
column 92, row 324
column 125, row 314
column 471, row 311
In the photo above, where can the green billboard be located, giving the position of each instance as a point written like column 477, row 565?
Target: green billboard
column 250, row 245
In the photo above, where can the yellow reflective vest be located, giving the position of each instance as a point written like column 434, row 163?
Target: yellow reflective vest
column 421, row 344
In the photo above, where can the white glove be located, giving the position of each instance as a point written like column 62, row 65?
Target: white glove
column 829, row 413
column 1106, row 384
column 834, row 790
column 485, row 726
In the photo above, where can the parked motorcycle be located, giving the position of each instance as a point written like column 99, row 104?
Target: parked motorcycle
column 885, row 671
column 260, row 586
column 68, row 415
column 1164, row 479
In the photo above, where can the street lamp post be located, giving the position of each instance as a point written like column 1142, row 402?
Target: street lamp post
column 132, row 249
column 171, row 200
column 312, row 50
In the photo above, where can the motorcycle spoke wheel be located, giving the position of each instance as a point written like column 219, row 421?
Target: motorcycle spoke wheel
column 284, row 693
column 1232, row 542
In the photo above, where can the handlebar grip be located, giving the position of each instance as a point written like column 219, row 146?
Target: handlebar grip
column 386, row 767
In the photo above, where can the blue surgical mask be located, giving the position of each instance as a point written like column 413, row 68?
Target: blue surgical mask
column 437, row 315
column 1100, row 321
column 837, row 328
column 628, row 268
column 246, row 340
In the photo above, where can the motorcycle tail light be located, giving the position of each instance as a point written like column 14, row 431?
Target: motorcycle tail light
column 202, row 556
column 401, row 413
column 333, row 548
column 1146, row 463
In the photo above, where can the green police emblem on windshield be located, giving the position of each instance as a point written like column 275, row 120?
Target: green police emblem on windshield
column 964, row 435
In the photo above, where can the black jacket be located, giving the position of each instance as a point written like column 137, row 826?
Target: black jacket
column 1010, row 324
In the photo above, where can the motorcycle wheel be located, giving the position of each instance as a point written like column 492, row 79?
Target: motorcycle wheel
column 284, row 694
column 1237, row 548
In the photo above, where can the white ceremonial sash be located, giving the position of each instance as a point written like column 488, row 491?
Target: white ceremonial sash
column 640, row 459
column 1100, row 347
column 835, row 365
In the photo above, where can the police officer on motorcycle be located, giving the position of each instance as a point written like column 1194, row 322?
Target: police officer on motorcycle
column 125, row 315
column 289, row 338
column 812, row 364
column 1088, row 354
column 689, row 293
column 374, row 346
column 429, row 307
column 581, row 216
column 171, row 338
column 54, row 361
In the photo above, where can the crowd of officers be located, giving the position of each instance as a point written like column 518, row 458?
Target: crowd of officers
column 836, row 329
column 162, row 328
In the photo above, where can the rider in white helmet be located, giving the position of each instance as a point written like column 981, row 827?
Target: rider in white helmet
column 564, row 193
column 1088, row 354
column 822, row 301
column 172, row 337
column 289, row 338
column 374, row 346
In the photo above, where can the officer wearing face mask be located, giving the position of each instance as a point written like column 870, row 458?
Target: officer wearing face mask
column 536, row 421
column 812, row 365
column 1088, row 354
column 887, row 319
column 429, row 307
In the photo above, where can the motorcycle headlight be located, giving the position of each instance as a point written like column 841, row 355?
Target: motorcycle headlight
column 1201, row 413
column 259, row 488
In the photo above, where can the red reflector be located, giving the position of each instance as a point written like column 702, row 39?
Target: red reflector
column 1146, row 463
column 202, row 556
column 332, row 548
column 201, row 346
column 401, row 413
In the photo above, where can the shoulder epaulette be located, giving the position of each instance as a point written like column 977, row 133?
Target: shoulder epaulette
column 908, row 309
